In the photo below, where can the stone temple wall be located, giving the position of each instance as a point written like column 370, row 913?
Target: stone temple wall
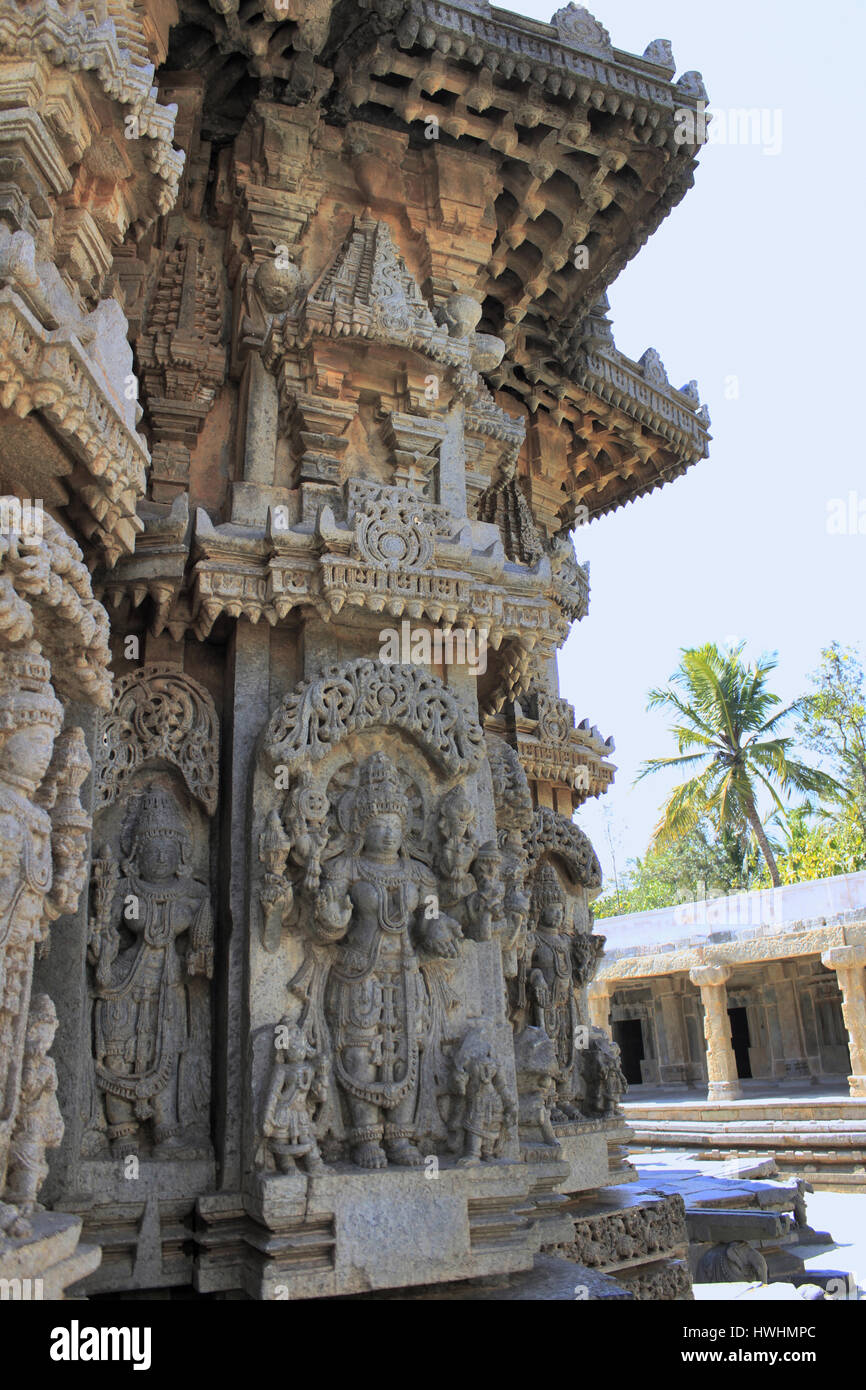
column 306, row 377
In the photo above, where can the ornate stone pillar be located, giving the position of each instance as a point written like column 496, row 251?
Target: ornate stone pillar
column 848, row 962
column 723, row 1083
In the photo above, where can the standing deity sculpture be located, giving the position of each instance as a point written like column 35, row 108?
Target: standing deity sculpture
column 150, row 934
column 380, row 905
column 550, row 970
column 42, row 848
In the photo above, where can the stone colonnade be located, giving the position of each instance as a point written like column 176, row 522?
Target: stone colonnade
column 810, row 1012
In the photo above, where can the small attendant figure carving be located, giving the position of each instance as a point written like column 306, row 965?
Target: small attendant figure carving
column 457, row 827
column 516, row 901
column 537, row 1075
column 483, row 1110
column 296, row 1085
column 301, row 843
column 485, row 908
column 275, row 895
column 307, row 824
column 39, row 1125
column 607, row 1083
column 141, row 1011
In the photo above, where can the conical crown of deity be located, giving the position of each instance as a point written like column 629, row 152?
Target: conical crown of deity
column 548, row 889
column 158, row 814
column 26, row 696
column 379, row 792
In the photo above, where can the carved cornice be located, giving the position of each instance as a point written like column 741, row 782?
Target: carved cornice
column 48, row 370
column 541, row 729
column 55, row 38
column 45, row 595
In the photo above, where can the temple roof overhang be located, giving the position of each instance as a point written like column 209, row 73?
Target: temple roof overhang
column 528, row 162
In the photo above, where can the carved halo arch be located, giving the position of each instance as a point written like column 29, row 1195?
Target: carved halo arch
column 159, row 714
column 552, row 835
column 364, row 695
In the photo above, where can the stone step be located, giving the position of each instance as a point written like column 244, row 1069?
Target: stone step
column 724, row 1223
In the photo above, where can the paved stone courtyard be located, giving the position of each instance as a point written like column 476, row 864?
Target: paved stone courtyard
column 841, row 1214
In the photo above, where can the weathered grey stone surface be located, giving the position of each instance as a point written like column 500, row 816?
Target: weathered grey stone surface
column 300, row 811
column 550, row 1280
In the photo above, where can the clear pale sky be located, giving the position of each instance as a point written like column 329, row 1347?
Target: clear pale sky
column 757, row 275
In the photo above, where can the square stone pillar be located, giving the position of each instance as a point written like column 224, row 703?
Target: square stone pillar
column 670, row 1027
column 848, row 962
column 723, row 1082
column 793, row 1067
column 598, row 1000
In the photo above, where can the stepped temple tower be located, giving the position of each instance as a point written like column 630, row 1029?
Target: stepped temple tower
column 306, row 378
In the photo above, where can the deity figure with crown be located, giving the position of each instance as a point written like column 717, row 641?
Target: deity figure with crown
column 551, row 983
column 380, row 905
column 30, row 720
column 150, row 934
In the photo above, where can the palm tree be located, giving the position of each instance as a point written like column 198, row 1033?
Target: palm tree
column 726, row 734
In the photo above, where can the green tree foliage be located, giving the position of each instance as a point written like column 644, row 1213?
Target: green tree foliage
column 833, row 723
column 726, row 727
column 818, row 845
column 699, row 864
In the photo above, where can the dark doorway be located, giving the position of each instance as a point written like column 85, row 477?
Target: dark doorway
column 740, row 1041
column 628, row 1034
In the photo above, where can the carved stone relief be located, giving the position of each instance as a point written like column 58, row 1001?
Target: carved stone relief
column 151, row 947
column 376, row 895
column 43, row 838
